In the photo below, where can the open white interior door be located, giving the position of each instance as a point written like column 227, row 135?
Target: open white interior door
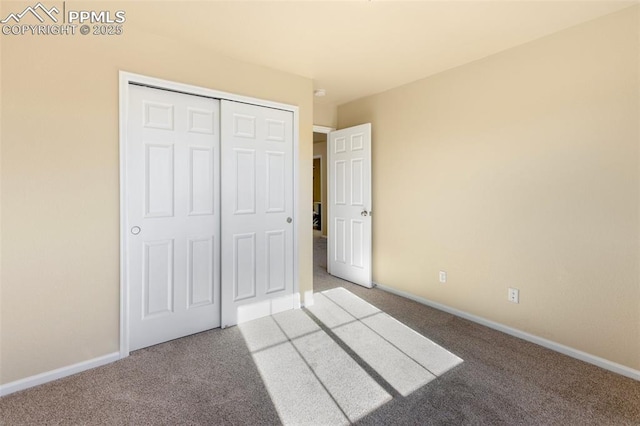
column 349, row 248
column 257, row 212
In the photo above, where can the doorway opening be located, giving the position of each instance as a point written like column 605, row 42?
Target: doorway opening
column 317, row 193
column 320, row 186
column 320, row 199
column 347, row 206
column 319, row 183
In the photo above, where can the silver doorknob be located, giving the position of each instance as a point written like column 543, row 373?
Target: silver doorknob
column 289, row 220
column 363, row 213
column 135, row 230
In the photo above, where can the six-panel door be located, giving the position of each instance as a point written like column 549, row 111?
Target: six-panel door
column 173, row 204
column 209, row 215
column 349, row 250
column 257, row 211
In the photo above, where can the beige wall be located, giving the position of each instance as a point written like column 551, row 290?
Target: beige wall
column 60, row 193
column 519, row 170
column 320, row 149
column 325, row 115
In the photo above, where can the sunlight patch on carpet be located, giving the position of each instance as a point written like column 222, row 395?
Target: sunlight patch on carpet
column 425, row 352
column 312, row 379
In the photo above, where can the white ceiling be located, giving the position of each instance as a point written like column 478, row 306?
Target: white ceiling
column 357, row 48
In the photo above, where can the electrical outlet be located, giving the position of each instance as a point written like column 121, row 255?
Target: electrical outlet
column 443, row 277
column 514, row 295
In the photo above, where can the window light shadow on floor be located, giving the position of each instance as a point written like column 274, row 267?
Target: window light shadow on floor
column 314, row 363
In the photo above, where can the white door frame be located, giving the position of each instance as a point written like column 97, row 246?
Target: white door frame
column 127, row 78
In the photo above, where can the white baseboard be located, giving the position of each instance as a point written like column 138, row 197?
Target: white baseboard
column 59, row 373
column 308, row 299
column 566, row 350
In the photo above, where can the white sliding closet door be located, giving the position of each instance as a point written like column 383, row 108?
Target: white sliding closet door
column 172, row 198
column 257, row 211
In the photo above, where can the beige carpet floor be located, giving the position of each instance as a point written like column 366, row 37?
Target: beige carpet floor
column 212, row 378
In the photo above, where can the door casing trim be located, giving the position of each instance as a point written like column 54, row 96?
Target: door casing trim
column 127, row 78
